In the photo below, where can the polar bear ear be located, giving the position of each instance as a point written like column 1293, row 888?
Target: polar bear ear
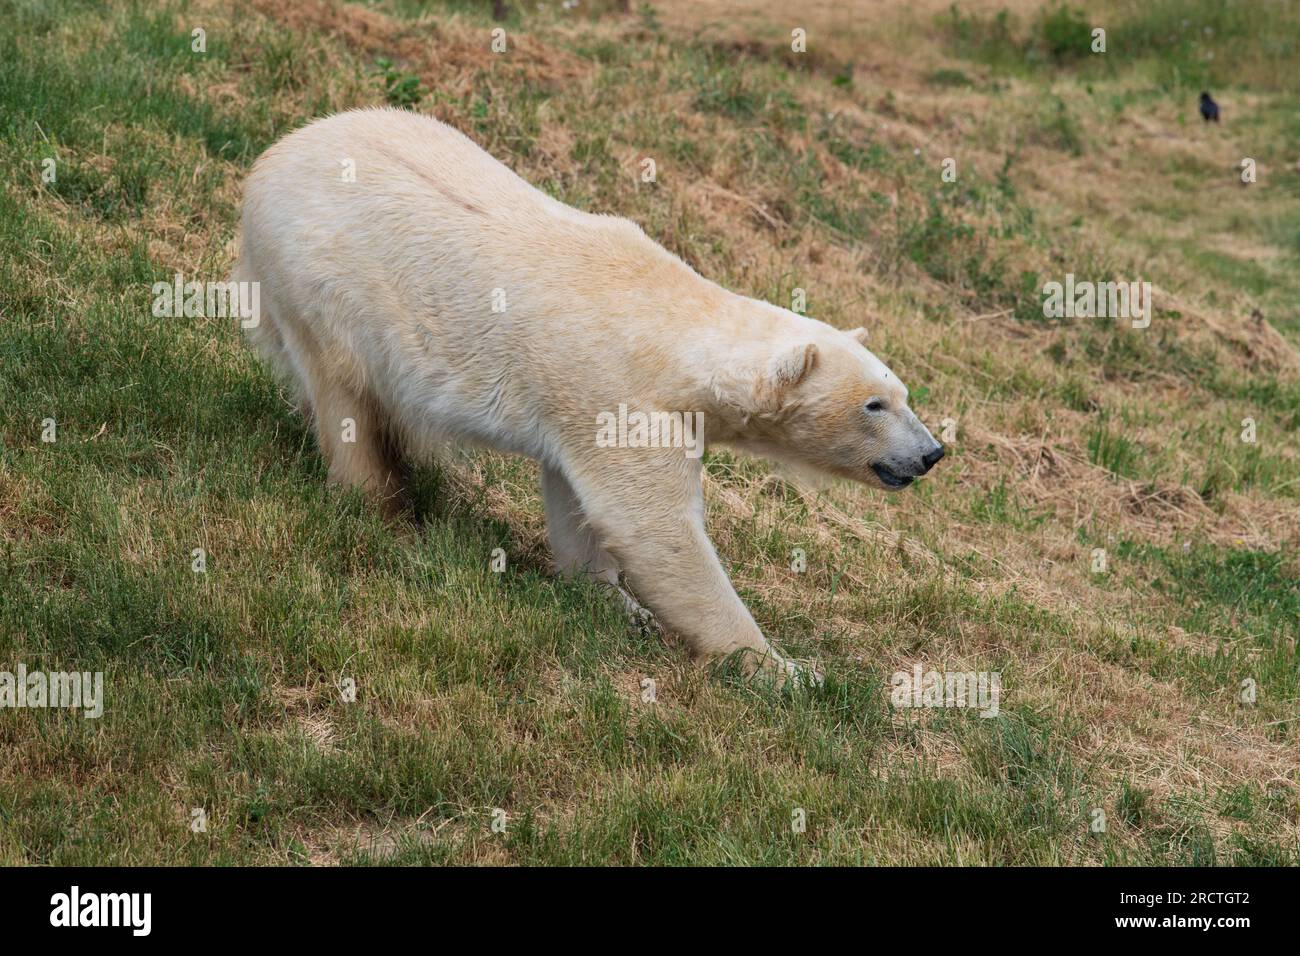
column 763, row 390
column 788, row 368
column 859, row 333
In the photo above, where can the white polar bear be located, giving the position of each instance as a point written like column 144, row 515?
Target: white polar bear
column 418, row 292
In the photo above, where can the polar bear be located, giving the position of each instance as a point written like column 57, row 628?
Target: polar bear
column 418, row 292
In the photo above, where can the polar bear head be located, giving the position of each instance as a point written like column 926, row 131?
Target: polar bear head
column 822, row 399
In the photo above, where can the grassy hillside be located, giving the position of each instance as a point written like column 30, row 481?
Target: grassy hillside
column 776, row 171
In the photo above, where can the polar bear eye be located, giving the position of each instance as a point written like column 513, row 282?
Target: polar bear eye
column 875, row 405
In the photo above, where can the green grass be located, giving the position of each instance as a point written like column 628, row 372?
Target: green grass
column 1113, row 451
column 1184, row 43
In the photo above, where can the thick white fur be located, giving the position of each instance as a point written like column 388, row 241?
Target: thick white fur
column 377, row 297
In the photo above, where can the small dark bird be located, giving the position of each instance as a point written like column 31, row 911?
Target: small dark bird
column 1209, row 108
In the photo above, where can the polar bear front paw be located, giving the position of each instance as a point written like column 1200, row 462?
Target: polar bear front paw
column 639, row 616
column 796, row 674
column 769, row 667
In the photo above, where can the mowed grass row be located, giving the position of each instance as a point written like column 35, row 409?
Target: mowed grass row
column 480, row 692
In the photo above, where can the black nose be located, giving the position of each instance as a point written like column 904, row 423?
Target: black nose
column 932, row 459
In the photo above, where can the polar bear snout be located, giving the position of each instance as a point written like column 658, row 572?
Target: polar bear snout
column 931, row 458
column 894, row 474
column 910, row 452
